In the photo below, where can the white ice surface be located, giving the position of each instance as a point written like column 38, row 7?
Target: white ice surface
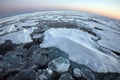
column 109, row 40
column 72, row 41
column 37, row 36
column 8, row 29
column 81, row 49
column 110, row 37
column 18, row 37
column 27, row 23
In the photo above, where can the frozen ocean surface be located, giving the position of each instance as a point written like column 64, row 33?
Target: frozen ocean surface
column 88, row 39
column 81, row 49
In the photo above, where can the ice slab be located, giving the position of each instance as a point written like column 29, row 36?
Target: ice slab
column 7, row 29
column 18, row 37
column 81, row 49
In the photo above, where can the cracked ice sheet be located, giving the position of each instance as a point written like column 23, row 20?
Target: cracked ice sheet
column 81, row 49
column 18, row 37
column 27, row 23
column 109, row 40
column 7, row 29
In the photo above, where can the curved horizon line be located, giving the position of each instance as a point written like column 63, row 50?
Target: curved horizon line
column 92, row 11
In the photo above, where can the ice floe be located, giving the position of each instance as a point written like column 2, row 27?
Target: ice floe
column 19, row 37
column 8, row 29
column 81, row 49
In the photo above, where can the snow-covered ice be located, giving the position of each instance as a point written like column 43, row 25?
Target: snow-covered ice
column 19, row 37
column 27, row 23
column 37, row 36
column 109, row 36
column 81, row 49
column 8, row 29
column 79, row 44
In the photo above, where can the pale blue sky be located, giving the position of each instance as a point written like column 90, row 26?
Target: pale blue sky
column 104, row 7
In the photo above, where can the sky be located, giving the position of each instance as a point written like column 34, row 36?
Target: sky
column 109, row 8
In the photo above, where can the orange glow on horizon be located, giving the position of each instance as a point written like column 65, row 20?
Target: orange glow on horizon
column 109, row 14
